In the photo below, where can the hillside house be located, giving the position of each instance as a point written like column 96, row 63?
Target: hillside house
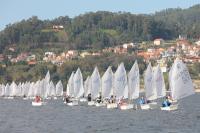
column 158, row 41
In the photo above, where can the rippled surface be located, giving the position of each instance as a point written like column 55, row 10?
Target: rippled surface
column 18, row 116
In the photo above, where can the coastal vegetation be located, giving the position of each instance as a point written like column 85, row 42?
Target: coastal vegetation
column 102, row 29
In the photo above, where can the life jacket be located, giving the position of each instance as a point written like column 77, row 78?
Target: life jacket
column 165, row 104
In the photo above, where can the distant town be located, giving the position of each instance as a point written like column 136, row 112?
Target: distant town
column 159, row 50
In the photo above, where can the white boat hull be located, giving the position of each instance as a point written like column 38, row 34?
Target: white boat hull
column 145, row 106
column 112, row 106
column 126, row 106
column 9, row 97
column 170, row 108
column 73, row 103
column 100, row 104
column 91, row 103
column 37, row 103
column 25, row 98
column 83, row 100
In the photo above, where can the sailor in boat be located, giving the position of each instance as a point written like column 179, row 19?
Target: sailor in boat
column 67, row 99
column 166, row 102
column 89, row 97
column 170, row 99
column 142, row 100
column 37, row 99
column 121, row 101
column 111, row 100
column 99, row 99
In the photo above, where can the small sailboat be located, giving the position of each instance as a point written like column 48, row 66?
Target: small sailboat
column 78, row 87
column 120, row 83
column 181, row 85
column 133, row 86
column 70, row 91
column 37, row 102
column 86, row 90
column 150, row 91
column 95, row 86
column 159, row 86
column 59, row 89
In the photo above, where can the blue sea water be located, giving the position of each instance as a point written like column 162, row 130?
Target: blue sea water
column 18, row 116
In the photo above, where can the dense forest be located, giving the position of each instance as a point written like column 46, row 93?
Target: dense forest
column 102, row 29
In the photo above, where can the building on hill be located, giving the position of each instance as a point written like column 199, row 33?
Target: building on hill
column 197, row 42
column 1, row 57
column 158, row 41
column 183, row 44
column 58, row 27
column 120, row 50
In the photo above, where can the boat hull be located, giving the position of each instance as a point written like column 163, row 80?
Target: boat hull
column 170, row 108
column 73, row 103
column 100, row 104
column 37, row 103
column 112, row 106
column 145, row 106
column 83, row 100
column 126, row 106
column 91, row 103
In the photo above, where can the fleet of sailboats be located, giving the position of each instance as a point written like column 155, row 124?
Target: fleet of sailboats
column 116, row 85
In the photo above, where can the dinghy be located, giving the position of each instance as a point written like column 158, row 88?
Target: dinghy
column 78, row 85
column 95, row 86
column 133, row 87
column 120, row 83
column 181, row 85
column 150, row 90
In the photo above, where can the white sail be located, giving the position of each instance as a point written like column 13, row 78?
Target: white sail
column 120, row 82
column 2, row 93
column 169, row 77
column 70, row 85
column 7, row 90
column 47, row 77
column 134, row 81
column 107, row 83
column 59, row 88
column 52, row 90
column 19, row 88
column 181, row 83
column 37, row 90
column 150, row 90
column 159, row 82
column 31, row 90
column 87, row 86
column 95, row 83
column 13, row 89
column 26, row 88
column 78, row 84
